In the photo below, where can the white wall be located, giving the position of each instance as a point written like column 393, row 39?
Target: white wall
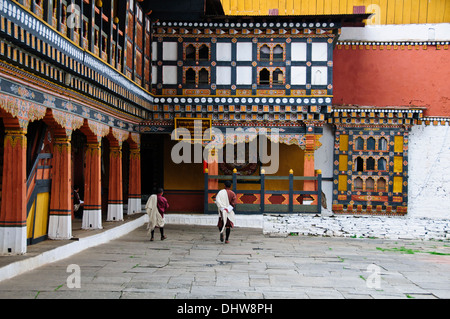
column 429, row 172
column 397, row 32
column 323, row 160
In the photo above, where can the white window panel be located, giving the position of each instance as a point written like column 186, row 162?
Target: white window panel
column 244, row 51
column 298, row 51
column 170, row 51
column 223, row 51
column 223, row 75
column 154, row 51
column 154, row 74
column 244, row 75
column 169, row 74
column 319, row 75
column 319, row 52
column 298, row 75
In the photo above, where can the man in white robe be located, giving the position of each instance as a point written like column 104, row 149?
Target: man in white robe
column 225, row 201
column 155, row 218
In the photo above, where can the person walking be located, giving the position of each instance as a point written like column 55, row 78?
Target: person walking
column 77, row 203
column 156, row 206
column 226, row 202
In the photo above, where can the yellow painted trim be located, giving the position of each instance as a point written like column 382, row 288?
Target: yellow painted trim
column 42, row 210
column 398, row 184
column 343, row 162
column 342, row 183
column 398, row 164
column 343, row 142
column 398, row 144
column 390, row 11
column 30, row 219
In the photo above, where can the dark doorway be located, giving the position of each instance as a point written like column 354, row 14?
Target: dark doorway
column 152, row 167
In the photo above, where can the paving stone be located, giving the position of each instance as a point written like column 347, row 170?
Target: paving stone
column 193, row 264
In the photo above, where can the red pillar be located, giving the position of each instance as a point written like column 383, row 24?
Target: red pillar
column 134, row 184
column 92, row 212
column 60, row 220
column 115, row 194
column 13, row 214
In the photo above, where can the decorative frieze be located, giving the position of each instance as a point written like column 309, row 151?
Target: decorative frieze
column 392, row 45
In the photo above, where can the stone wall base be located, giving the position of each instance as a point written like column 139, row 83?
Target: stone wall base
column 357, row 226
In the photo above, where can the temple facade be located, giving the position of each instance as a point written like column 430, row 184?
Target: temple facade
column 350, row 97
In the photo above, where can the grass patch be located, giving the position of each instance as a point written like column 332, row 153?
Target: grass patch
column 405, row 250
column 56, row 289
column 401, row 249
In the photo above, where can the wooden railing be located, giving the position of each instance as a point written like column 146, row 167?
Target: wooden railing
column 292, row 200
column 39, row 179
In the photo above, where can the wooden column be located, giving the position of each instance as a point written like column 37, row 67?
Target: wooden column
column 92, row 212
column 213, row 168
column 134, row 184
column 308, row 164
column 60, row 220
column 311, row 145
column 61, row 205
column 115, row 194
column 13, row 214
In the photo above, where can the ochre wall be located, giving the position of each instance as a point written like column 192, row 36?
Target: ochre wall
column 189, row 176
column 291, row 157
column 401, row 77
column 385, row 11
column 183, row 176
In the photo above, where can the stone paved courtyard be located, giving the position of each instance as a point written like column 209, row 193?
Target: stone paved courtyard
column 193, row 264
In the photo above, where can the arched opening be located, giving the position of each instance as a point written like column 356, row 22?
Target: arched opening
column 203, row 53
column 78, row 145
column 382, row 144
column 35, row 139
column 125, row 170
column 359, row 144
column 359, row 164
column 358, row 184
column 190, row 53
column 278, row 53
column 264, row 76
column 38, row 163
column 382, row 164
column 381, row 185
column 203, row 76
column 264, row 53
column 370, row 184
column 371, row 144
column 278, row 77
column 370, row 164
column 190, row 76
